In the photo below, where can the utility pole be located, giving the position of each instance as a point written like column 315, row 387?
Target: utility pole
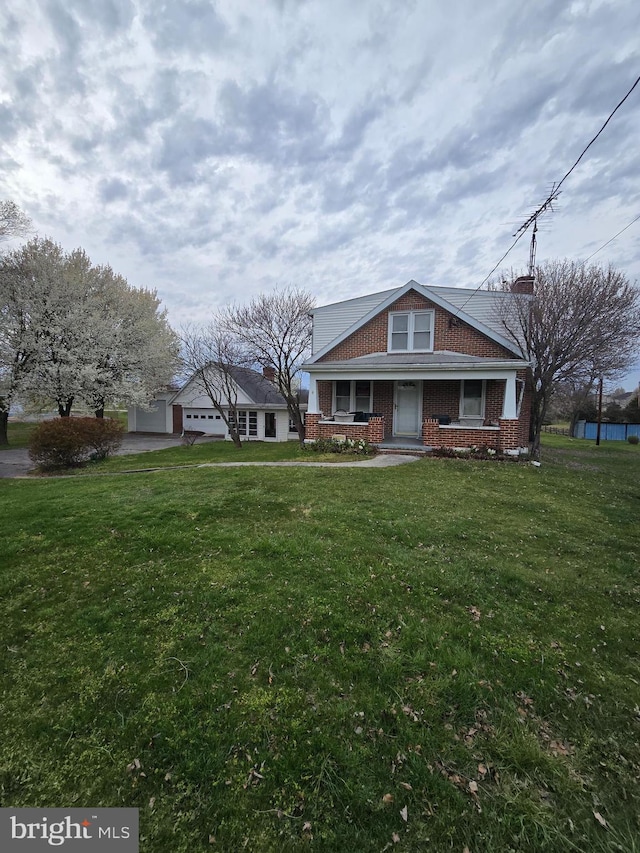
column 599, row 411
column 532, row 249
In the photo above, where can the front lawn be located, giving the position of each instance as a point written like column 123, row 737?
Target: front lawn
column 19, row 432
column 431, row 657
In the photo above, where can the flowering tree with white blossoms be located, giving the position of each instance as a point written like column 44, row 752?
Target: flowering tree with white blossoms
column 71, row 331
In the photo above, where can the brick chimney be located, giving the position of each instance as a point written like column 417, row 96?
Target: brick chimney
column 269, row 372
column 523, row 284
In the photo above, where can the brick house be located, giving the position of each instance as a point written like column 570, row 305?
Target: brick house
column 419, row 365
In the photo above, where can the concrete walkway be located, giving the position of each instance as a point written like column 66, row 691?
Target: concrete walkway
column 383, row 460
column 16, row 462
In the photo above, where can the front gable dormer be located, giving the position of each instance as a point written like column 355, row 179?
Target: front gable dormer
column 416, row 319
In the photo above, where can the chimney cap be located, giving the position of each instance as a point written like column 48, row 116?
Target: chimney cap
column 523, row 284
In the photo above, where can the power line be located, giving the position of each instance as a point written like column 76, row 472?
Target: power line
column 612, row 239
column 553, row 195
column 611, row 115
column 487, row 277
column 555, row 190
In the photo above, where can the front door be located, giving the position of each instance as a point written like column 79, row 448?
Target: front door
column 407, row 409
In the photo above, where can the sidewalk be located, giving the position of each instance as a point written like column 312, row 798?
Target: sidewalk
column 16, row 463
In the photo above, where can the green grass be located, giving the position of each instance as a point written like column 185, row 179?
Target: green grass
column 281, row 648
column 206, row 452
column 19, row 432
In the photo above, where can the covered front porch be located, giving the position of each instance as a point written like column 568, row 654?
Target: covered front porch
column 478, row 403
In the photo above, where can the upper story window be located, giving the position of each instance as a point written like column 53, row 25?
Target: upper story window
column 411, row 331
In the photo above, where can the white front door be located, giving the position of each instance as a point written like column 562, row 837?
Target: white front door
column 407, row 408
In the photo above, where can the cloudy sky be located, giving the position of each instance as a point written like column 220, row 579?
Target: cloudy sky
column 213, row 150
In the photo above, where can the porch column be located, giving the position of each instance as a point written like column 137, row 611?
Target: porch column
column 312, row 407
column 509, row 402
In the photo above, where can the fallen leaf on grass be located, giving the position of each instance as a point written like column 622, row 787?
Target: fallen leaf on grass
column 387, row 798
column 395, row 838
column 600, row 819
column 404, row 814
column 560, row 748
column 307, row 827
column 407, row 786
column 473, row 787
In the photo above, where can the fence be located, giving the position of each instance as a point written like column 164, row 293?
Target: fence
column 556, row 430
column 608, row 431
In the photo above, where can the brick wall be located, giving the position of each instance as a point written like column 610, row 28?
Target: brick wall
column 325, row 392
column 311, row 431
column 509, row 435
column 449, row 333
column 433, row 435
column 525, row 409
column 373, row 432
column 440, row 397
column 436, row 436
column 383, row 403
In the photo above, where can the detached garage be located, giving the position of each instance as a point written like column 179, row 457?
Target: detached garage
column 261, row 410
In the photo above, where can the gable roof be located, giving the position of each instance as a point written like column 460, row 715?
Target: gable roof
column 360, row 310
column 260, row 390
column 257, row 387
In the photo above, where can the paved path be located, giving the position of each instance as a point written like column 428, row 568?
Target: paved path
column 382, row 460
column 16, row 462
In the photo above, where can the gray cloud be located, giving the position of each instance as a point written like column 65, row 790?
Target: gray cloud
column 112, row 190
column 111, row 16
column 193, row 26
column 212, row 150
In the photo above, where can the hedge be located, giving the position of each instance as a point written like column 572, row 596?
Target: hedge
column 69, row 442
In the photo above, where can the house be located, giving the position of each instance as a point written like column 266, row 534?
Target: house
column 262, row 410
column 419, row 366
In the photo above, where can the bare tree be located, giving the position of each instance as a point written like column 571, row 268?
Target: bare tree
column 212, row 357
column 276, row 330
column 582, row 322
column 572, row 400
column 13, row 222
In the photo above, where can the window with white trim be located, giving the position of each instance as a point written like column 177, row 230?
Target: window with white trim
column 246, row 426
column 410, row 331
column 352, row 395
column 472, row 395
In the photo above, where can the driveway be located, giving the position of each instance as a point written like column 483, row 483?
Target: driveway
column 16, row 462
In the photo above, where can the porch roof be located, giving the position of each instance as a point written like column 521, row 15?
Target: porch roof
column 415, row 362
